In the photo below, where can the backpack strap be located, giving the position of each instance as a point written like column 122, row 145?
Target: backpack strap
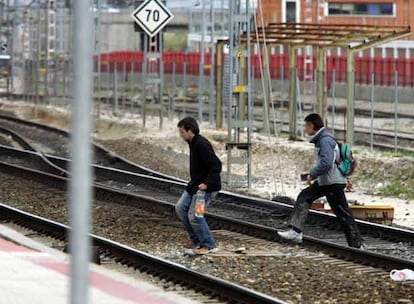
column 337, row 162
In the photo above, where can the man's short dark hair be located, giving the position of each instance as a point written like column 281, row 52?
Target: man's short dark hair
column 189, row 123
column 315, row 120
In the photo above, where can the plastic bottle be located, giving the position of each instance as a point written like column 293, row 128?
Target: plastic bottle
column 200, row 203
column 402, row 275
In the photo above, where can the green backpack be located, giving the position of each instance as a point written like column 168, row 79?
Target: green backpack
column 346, row 162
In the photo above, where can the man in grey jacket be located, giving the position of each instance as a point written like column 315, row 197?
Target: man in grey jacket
column 324, row 179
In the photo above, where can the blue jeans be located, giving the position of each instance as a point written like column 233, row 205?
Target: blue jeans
column 197, row 227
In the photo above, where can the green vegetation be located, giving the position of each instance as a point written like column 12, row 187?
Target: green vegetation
column 175, row 41
column 401, row 185
column 380, row 152
column 390, row 153
column 397, row 175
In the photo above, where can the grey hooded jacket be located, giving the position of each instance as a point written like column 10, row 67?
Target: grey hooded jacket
column 326, row 155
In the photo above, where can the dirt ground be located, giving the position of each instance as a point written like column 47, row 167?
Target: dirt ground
column 381, row 178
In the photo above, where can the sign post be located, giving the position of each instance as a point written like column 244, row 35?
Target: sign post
column 152, row 16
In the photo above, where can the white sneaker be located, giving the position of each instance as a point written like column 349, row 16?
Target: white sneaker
column 291, row 235
column 204, row 250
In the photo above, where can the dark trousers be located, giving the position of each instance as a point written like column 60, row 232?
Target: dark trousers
column 336, row 198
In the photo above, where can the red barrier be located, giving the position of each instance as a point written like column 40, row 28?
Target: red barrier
column 383, row 68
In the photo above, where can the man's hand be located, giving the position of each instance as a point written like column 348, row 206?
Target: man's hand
column 309, row 179
column 349, row 186
column 202, row 187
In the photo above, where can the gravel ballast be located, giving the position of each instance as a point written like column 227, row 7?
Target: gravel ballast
column 278, row 270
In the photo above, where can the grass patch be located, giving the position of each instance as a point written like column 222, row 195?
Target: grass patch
column 401, row 185
column 394, row 154
column 396, row 189
column 391, row 153
column 382, row 152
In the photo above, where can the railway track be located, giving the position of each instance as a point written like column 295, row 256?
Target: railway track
column 46, row 139
column 148, row 183
column 267, row 267
column 213, row 289
column 388, row 247
column 382, row 138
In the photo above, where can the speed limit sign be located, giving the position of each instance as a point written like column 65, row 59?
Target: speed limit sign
column 152, row 16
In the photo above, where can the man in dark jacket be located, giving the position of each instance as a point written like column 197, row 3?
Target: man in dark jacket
column 324, row 179
column 205, row 168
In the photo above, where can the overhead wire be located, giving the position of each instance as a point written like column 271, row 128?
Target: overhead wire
column 268, row 78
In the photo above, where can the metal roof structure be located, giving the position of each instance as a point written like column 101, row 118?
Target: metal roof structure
column 352, row 37
column 329, row 35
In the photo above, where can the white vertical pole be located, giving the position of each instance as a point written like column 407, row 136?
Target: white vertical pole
column 98, row 53
column 333, row 101
column 372, row 112
column 115, row 105
column 396, row 112
column 212, row 66
column 80, row 190
column 201, row 66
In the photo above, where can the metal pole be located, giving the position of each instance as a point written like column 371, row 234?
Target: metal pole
column 249, row 99
column 222, row 18
column 219, row 85
column 12, row 49
column 282, row 83
column 243, row 79
column 161, row 76
column 314, row 90
column 174, row 68
column 268, row 89
column 124, row 82
column 333, row 100
column 321, row 97
column 350, row 98
column 212, row 55
column 70, row 57
column 231, row 76
column 132, row 86
column 371, row 142
column 115, row 88
column 292, row 92
column 201, row 66
column 9, row 44
column 98, row 54
column 185, row 79
column 396, row 112
column 144, row 87
column 1, row 16
column 299, row 102
column 46, row 76
column 38, row 50
column 80, row 190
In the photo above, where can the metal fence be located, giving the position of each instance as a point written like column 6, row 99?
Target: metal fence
column 384, row 87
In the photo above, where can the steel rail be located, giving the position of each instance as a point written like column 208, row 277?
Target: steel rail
column 27, row 146
column 200, row 282
column 103, row 174
column 111, row 158
column 108, row 194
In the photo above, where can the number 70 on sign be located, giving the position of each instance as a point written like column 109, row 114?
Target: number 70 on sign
column 152, row 16
column 155, row 14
